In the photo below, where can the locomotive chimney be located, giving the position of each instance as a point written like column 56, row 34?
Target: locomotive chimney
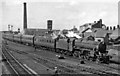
column 25, row 16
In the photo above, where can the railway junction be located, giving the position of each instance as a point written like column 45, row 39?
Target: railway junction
column 41, row 61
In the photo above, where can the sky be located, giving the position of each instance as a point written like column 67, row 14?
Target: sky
column 64, row 13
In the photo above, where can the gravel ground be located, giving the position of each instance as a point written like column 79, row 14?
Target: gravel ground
column 5, row 69
column 38, row 68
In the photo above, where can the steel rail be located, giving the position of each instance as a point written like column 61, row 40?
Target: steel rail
column 22, row 66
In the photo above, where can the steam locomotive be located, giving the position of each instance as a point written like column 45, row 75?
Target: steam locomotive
column 82, row 48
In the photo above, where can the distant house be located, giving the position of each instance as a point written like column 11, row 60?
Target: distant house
column 84, row 27
column 101, row 35
column 95, row 25
column 98, row 24
column 88, row 32
column 75, row 30
column 65, row 31
column 115, row 34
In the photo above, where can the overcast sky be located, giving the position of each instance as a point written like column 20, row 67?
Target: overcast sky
column 64, row 13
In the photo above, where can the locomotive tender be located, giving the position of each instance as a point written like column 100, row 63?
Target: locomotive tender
column 81, row 48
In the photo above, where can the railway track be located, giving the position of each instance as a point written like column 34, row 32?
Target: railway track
column 63, row 68
column 50, row 64
column 17, row 68
column 91, row 62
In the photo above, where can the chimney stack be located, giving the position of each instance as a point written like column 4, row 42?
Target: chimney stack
column 25, row 16
column 110, row 27
column 100, row 22
column 94, row 21
column 18, row 30
column 118, row 26
column 9, row 27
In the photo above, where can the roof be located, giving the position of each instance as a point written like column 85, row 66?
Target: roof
column 87, row 34
column 115, row 34
column 85, row 30
column 100, row 33
column 30, row 31
column 89, row 30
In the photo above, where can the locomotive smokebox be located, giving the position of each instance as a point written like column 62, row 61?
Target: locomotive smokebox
column 25, row 16
column 49, row 25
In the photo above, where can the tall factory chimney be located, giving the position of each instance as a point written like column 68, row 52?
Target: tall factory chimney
column 25, row 16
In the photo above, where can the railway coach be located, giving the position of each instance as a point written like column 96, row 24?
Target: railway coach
column 8, row 36
column 17, row 38
column 46, row 42
column 28, row 39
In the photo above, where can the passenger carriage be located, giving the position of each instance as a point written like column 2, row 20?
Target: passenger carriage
column 17, row 38
column 47, row 42
column 8, row 36
column 28, row 39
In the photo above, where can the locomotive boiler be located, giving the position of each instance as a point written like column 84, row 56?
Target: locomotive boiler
column 84, row 47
